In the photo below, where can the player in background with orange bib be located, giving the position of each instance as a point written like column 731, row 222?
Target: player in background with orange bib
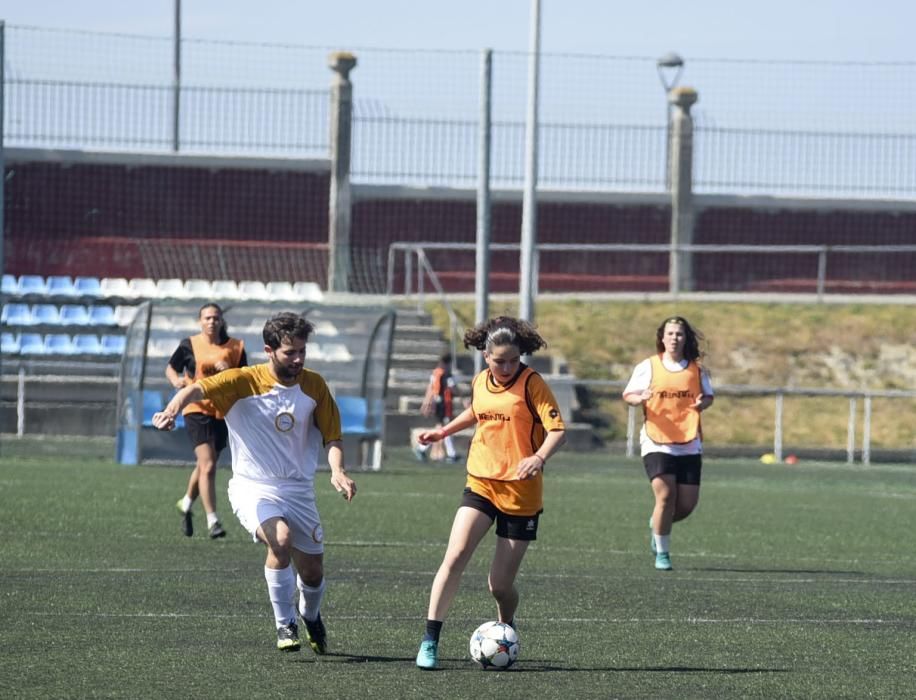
column 673, row 388
column 519, row 427
column 209, row 352
column 439, row 402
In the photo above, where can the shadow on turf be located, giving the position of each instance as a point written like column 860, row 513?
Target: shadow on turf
column 536, row 667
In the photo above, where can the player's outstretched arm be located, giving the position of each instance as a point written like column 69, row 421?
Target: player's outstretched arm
column 463, row 420
column 165, row 419
column 344, row 485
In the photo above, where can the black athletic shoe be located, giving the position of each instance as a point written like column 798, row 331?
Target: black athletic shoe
column 316, row 635
column 216, row 530
column 187, row 520
column 288, row 637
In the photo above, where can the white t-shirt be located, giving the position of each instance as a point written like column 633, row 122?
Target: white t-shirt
column 275, row 432
column 640, row 381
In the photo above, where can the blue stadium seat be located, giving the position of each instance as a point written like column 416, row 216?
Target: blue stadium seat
column 152, row 403
column 87, row 344
column 88, row 286
column 113, row 344
column 9, row 344
column 61, row 285
column 58, row 344
column 102, row 316
column 16, row 315
column 74, row 315
column 31, row 344
column 45, row 314
column 33, row 284
column 10, row 285
column 354, row 416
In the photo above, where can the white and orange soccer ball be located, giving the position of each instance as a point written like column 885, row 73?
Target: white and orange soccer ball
column 494, row 645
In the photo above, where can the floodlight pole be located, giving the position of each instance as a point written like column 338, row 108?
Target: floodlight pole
column 669, row 67
column 528, row 271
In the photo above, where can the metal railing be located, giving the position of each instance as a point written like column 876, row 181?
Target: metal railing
column 818, row 278
column 853, row 396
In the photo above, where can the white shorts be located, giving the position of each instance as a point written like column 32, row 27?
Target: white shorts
column 254, row 502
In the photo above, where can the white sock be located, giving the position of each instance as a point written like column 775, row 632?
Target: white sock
column 449, row 446
column 186, row 503
column 212, row 518
column 661, row 543
column 281, row 586
column 310, row 600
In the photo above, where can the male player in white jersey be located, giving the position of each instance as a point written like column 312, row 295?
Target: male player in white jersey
column 278, row 415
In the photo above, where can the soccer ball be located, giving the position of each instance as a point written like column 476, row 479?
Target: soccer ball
column 494, row 645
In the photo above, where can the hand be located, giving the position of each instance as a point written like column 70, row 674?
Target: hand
column 646, row 394
column 702, row 403
column 428, row 436
column 221, row 366
column 163, row 420
column 344, row 485
column 529, row 467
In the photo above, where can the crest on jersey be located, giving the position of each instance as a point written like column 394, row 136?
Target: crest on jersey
column 285, row 421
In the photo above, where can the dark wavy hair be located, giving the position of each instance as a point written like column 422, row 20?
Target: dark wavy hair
column 504, row 330
column 223, row 329
column 284, row 327
column 692, row 338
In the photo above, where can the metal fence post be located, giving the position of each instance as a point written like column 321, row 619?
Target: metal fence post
column 631, row 430
column 20, row 403
column 866, row 430
column 482, row 277
column 339, row 262
column 851, row 432
column 777, row 428
column 680, row 265
column 176, row 80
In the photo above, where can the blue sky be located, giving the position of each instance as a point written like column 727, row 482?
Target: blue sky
column 839, row 30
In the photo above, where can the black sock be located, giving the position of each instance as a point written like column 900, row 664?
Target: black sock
column 433, row 628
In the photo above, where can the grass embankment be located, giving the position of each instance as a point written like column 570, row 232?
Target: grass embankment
column 851, row 347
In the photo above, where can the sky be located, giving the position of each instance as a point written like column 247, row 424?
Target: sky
column 833, row 30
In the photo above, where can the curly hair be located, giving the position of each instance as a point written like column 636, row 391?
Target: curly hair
column 504, row 330
column 284, row 327
column 692, row 338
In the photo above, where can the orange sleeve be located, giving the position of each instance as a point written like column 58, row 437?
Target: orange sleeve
column 327, row 415
column 544, row 404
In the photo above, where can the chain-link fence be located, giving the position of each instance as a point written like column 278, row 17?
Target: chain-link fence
column 801, row 128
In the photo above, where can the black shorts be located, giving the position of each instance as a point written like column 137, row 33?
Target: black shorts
column 511, row 527
column 686, row 468
column 203, row 429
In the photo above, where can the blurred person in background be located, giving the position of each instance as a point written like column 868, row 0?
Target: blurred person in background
column 439, row 402
column 203, row 355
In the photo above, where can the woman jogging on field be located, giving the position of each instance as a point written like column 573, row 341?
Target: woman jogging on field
column 519, row 427
column 209, row 352
column 673, row 388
